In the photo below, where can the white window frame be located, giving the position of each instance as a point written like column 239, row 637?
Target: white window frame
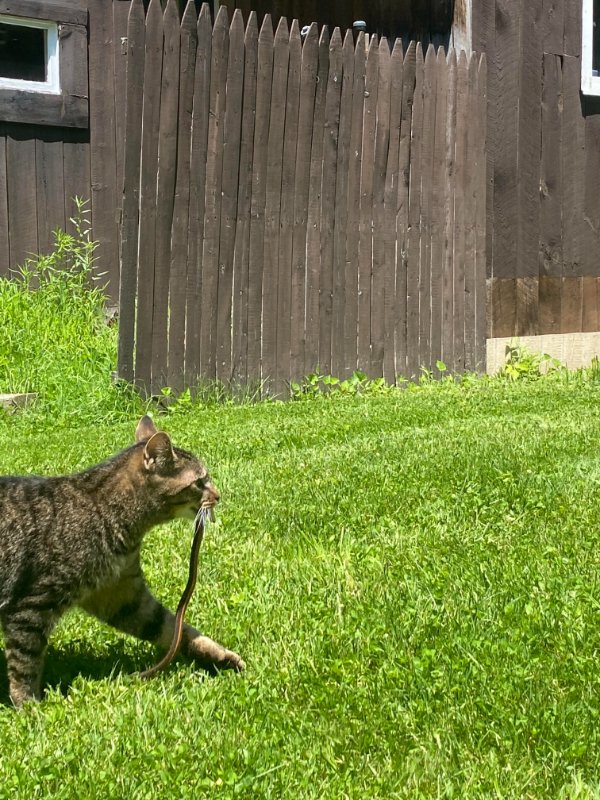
column 590, row 83
column 52, row 83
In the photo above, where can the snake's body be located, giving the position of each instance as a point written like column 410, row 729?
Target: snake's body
column 199, row 523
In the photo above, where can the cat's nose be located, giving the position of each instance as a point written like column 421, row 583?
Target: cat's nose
column 213, row 493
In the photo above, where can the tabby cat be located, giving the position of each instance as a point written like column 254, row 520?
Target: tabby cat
column 75, row 540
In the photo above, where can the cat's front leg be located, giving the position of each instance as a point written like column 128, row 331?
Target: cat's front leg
column 129, row 606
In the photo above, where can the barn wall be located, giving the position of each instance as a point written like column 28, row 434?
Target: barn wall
column 543, row 195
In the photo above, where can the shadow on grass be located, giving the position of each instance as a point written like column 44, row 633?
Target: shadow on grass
column 67, row 663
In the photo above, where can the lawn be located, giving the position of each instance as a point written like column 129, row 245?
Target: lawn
column 411, row 577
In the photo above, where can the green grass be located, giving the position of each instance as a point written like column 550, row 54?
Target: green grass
column 412, row 579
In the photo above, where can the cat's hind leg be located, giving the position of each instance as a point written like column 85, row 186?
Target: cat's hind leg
column 129, row 606
column 26, row 631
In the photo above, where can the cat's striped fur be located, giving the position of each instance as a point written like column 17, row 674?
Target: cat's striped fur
column 75, row 540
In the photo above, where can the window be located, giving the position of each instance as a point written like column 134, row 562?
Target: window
column 29, row 55
column 590, row 47
column 44, row 62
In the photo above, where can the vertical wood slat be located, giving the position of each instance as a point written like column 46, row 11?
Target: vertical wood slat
column 469, row 218
column 131, row 188
column 259, row 190
column 149, row 166
column 426, row 222
column 4, row 238
column 438, row 204
column 242, row 233
column 273, row 204
column 288, row 180
column 460, row 189
column 414, row 251
column 308, row 78
column 338, row 341
column 76, row 172
column 313, row 242
column 229, row 191
column 378, row 281
column 22, row 207
column 102, row 143
column 214, row 177
column 365, row 244
column 330, row 147
column 199, row 144
column 181, row 208
column 409, row 84
column 449, row 230
column 480, row 218
column 167, row 160
column 120, row 15
column 50, row 189
column 352, row 230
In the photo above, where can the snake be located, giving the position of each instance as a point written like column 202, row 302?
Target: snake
column 205, row 513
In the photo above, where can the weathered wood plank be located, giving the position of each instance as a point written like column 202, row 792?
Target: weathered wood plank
column 330, row 146
column 229, row 193
column 102, row 143
column 290, row 145
column 22, row 208
column 426, row 224
column 273, row 205
column 131, row 187
column 50, row 189
column 308, row 79
column 76, row 171
column 572, row 213
column 4, row 238
column 214, row 177
column 352, row 225
column 242, row 231
column 120, row 13
column 259, row 189
column 338, row 343
column 402, row 229
column 414, row 222
column 167, row 161
column 200, row 116
column 188, row 43
column 450, row 187
column 460, row 189
column 365, row 244
column 480, row 219
column 149, row 167
column 550, row 254
column 528, row 183
column 390, row 210
column 591, row 304
column 470, row 177
column 438, row 204
column 313, row 244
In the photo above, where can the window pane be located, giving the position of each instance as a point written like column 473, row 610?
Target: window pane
column 22, row 52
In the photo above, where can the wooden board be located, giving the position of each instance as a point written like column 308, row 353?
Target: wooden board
column 242, row 234
column 102, row 142
column 167, row 160
column 481, row 218
column 131, row 187
column 22, row 207
column 259, row 188
column 460, row 190
column 229, row 192
column 212, row 213
column 449, row 229
column 50, row 188
column 288, row 177
column 180, row 228
column 4, row 239
column 352, row 224
column 308, row 78
column 438, row 206
column 148, row 169
column 199, row 144
column 338, row 342
column 365, row 244
column 328, row 195
column 313, row 239
column 469, row 217
column 273, row 206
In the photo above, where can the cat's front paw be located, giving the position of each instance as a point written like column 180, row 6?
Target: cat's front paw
column 213, row 656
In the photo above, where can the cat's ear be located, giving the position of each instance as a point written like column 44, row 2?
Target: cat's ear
column 145, row 429
column 158, row 453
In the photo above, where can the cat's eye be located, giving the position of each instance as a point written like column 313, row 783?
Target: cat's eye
column 200, row 483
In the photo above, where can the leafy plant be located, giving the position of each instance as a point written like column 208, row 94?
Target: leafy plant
column 521, row 364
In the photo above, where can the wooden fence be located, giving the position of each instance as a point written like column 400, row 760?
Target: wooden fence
column 295, row 202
